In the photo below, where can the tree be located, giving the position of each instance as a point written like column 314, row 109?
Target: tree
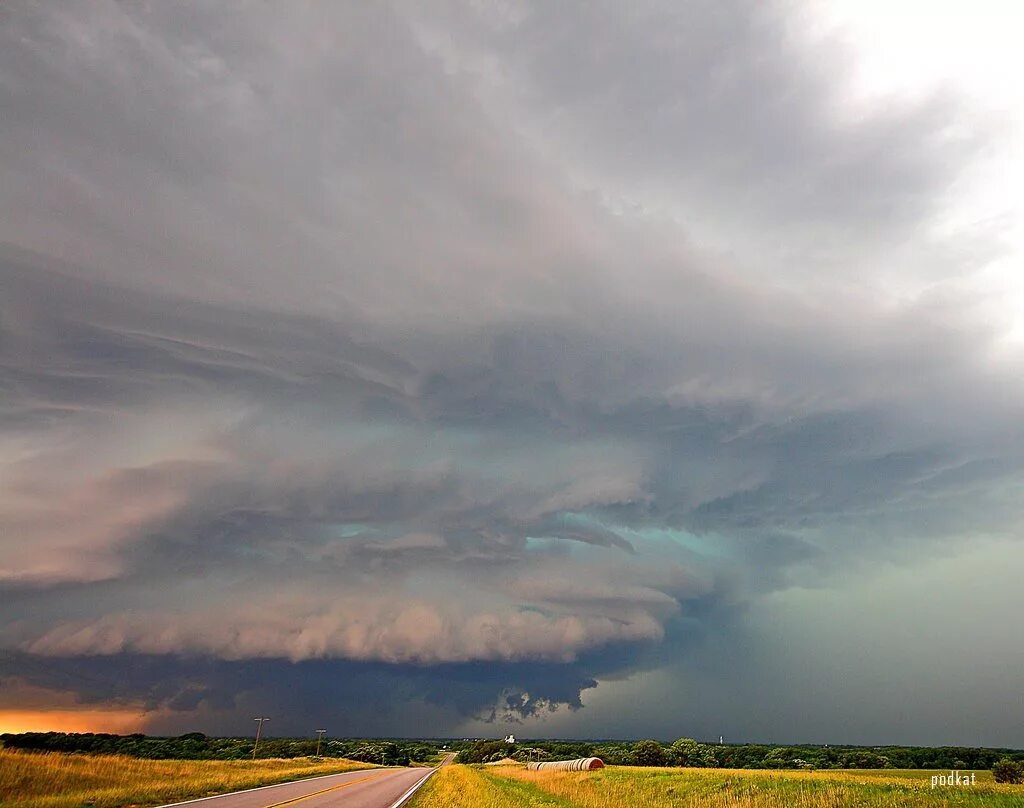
column 687, row 752
column 865, row 759
column 385, row 753
column 649, row 753
column 1008, row 770
column 778, row 758
column 486, row 751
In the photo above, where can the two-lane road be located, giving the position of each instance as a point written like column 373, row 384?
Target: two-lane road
column 366, row 788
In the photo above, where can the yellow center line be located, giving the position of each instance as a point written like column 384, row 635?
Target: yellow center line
column 325, row 790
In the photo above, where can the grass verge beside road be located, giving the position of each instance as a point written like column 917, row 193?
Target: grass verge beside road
column 56, row 780
column 513, row 787
column 458, row 786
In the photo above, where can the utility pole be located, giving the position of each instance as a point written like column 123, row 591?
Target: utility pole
column 319, row 737
column 259, row 729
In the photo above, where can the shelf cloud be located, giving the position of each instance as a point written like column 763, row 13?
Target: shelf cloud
column 465, row 363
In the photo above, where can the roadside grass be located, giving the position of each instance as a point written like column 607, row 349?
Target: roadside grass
column 633, row 787
column 58, row 780
column 458, row 786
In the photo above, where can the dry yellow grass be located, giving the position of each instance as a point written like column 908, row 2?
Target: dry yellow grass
column 455, row 786
column 54, row 780
column 629, row 787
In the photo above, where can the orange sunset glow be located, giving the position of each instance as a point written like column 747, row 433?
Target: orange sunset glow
column 115, row 721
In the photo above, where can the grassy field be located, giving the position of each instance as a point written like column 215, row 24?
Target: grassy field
column 55, row 780
column 628, row 787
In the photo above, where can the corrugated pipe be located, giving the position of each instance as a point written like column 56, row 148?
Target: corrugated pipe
column 578, row 765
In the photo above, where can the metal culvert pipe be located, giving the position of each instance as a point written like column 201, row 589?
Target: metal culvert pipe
column 578, row 765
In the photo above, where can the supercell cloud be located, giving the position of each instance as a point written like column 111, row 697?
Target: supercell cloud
column 413, row 368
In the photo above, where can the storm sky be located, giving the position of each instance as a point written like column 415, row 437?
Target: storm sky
column 599, row 369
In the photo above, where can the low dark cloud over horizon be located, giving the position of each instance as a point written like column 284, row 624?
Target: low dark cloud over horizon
column 431, row 370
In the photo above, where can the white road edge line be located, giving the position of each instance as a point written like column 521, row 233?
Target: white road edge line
column 405, row 797
column 272, row 785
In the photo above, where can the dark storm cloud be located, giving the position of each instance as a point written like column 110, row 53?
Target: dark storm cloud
column 468, row 341
column 372, row 698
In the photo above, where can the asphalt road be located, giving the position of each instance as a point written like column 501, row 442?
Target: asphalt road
column 367, row 788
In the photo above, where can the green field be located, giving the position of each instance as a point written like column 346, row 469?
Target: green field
column 463, row 786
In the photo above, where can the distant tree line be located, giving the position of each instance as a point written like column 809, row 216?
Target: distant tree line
column 400, row 752
column 197, row 746
column 688, row 752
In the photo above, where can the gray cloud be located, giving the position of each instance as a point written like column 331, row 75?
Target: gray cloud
column 473, row 342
